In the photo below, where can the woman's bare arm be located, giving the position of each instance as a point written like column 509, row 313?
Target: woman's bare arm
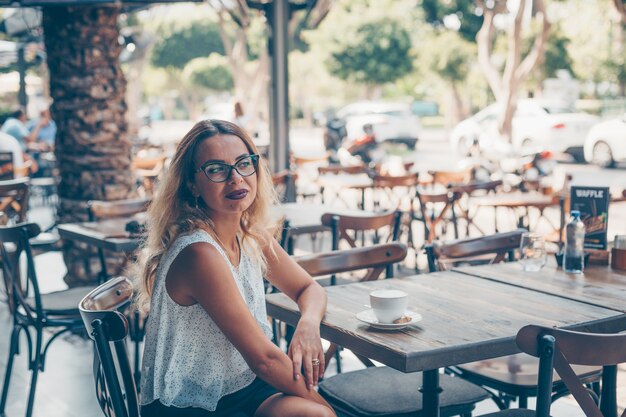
column 290, row 278
column 203, row 275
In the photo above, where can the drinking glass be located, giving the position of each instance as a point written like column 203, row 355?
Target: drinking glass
column 532, row 252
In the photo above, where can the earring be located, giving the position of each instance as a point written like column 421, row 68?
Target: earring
column 196, row 202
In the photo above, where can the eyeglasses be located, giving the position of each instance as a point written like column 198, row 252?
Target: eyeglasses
column 220, row 172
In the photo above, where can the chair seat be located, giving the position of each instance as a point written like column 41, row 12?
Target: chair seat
column 511, row 412
column 515, row 373
column 383, row 391
column 62, row 302
column 44, row 240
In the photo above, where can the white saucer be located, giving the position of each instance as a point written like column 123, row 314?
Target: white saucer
column 368, row 317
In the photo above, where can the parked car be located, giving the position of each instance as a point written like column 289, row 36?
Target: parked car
column 537, row 124
column 391, row 121
column 605, row 144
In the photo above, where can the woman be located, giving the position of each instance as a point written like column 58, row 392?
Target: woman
column 208, row 350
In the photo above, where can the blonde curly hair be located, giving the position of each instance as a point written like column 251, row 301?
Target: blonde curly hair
column 174, row 210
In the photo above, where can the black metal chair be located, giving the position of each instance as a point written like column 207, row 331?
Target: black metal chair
column 106, row 325
column 560, row 349
column 509, row 377
column 31, row 311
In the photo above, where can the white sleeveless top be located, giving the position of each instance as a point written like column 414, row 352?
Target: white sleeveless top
column 187, row 360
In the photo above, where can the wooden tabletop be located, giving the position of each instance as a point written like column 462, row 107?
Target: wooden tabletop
column 465, row 319
column 599, row 286
column 516, row 200
column 107, row 234
column 338, row 181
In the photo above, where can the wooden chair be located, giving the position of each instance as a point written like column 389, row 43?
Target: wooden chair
column 450, row 177
column 106, row 325
column 466, row 192
column 375, row 259
column 498, row 245
column 507, row 377
column 31, row 311
column 388, row 184
column 283, row 181
column 6, row 166
column 346, row 227
column 14, row 196
column 561, row 349
column 381, row 391
column 435, row 209
column 101, row 210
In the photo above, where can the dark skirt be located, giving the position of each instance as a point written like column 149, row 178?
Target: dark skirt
column 242, row 403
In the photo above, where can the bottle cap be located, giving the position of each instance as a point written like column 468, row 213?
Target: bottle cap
column 575, row 213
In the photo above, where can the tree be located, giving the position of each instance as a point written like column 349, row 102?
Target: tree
column 451, row 58
column 203, row 75
column 197, row 40
column 244, row 37
column 210, row 73
column 505, row 84
column 556, row 57
column 461, row 13
column 616, row 59
column 92, row 145
column 378, row 53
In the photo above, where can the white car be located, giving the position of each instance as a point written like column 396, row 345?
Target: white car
column 606, row 143
column 391, row 121
column 537, row 124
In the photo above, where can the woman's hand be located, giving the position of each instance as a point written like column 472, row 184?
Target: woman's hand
column 305, row 351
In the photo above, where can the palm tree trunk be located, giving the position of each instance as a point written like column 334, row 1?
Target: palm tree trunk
column 92, row 144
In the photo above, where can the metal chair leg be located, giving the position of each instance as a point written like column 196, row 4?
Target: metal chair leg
column 35, row 366
column 15, row 334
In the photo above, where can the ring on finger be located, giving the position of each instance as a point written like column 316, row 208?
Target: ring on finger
column 315, row 362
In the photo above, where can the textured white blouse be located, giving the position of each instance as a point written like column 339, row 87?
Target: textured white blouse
column 187, row 360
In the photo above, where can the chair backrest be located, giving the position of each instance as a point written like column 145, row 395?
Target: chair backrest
column 428, row 202
column 376, row 258
column 282, row 180
column 577, row 348
column 450, row 177
column 98, row 209
column 499, row 244
column 22, row 291
column 6, row 166
column 340, row 169
column 106, row 325
column 14, row 196
column 390, row 181
column 347, row 227
column 474, row 187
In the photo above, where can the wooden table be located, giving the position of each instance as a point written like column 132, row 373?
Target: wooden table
column 599, row 286
column 107, row 234
column 342, row 182
column 516, row 201
column 465, row 319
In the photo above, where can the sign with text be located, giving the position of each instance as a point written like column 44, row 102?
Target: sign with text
column 593, row 204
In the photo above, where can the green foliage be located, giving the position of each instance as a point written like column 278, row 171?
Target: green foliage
column 451, row 57
column 212, row 73
column 435, row 11
column 556, row 55
column 378, row 53
column 199, row 39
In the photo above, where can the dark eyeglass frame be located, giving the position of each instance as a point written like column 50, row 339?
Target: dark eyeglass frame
column 254, row 158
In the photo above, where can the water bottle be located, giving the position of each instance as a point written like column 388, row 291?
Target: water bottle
column 574, row 255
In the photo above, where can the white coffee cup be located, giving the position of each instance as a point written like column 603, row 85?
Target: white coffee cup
column 388, row 305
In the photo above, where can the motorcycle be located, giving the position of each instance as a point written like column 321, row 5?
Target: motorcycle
column 361, row 149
